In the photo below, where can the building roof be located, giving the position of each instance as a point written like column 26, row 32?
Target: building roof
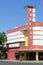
column 29, row 6
column 24, row 27
column 17, row 29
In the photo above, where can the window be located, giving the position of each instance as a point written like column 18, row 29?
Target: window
column 40, row 55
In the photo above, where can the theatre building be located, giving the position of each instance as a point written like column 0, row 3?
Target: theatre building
column 26, row 42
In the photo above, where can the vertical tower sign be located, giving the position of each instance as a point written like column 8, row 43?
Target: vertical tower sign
column 31, row 18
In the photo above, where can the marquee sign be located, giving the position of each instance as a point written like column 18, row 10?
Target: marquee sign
column 14, row 45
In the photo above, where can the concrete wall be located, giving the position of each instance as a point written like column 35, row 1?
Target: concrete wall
column 26, row 37
column 11, row 55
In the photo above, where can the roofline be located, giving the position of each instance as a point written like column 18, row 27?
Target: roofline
column 17, row 29
column 28, row 6
column 24, row 27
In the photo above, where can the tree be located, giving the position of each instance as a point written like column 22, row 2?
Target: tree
column 3, row 39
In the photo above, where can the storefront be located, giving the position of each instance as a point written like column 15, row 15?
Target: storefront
column 40, row 56
column 26, row 42
column 26, row 55
column 30, row 55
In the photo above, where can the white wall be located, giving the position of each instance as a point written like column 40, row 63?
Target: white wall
column 38, row 35
column 38, row 28
column 15, row 37
column 15, row 33
column 16, row 40
column 38, row 42
column 38, row 32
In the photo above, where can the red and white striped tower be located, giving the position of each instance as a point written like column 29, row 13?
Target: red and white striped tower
column 31, row 18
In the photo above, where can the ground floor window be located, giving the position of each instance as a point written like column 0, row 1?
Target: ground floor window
column 40, row 55
column 28, row 55
column 31, row 56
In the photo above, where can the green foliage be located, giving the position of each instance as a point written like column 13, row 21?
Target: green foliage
column 3, row 53
column 3, row 37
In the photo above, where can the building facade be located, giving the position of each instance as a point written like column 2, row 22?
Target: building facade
column 26, row 42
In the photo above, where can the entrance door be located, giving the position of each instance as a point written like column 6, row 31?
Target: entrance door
column 40, row 55
column 32, row 55
column 17, row 55
column 27, row 55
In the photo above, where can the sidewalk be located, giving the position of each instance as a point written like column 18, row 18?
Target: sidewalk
column 22, row 61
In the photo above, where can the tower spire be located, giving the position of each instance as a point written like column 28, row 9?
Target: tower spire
column 31, row 13
column 31, row 18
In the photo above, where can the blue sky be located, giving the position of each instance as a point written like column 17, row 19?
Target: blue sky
column 13, row 14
